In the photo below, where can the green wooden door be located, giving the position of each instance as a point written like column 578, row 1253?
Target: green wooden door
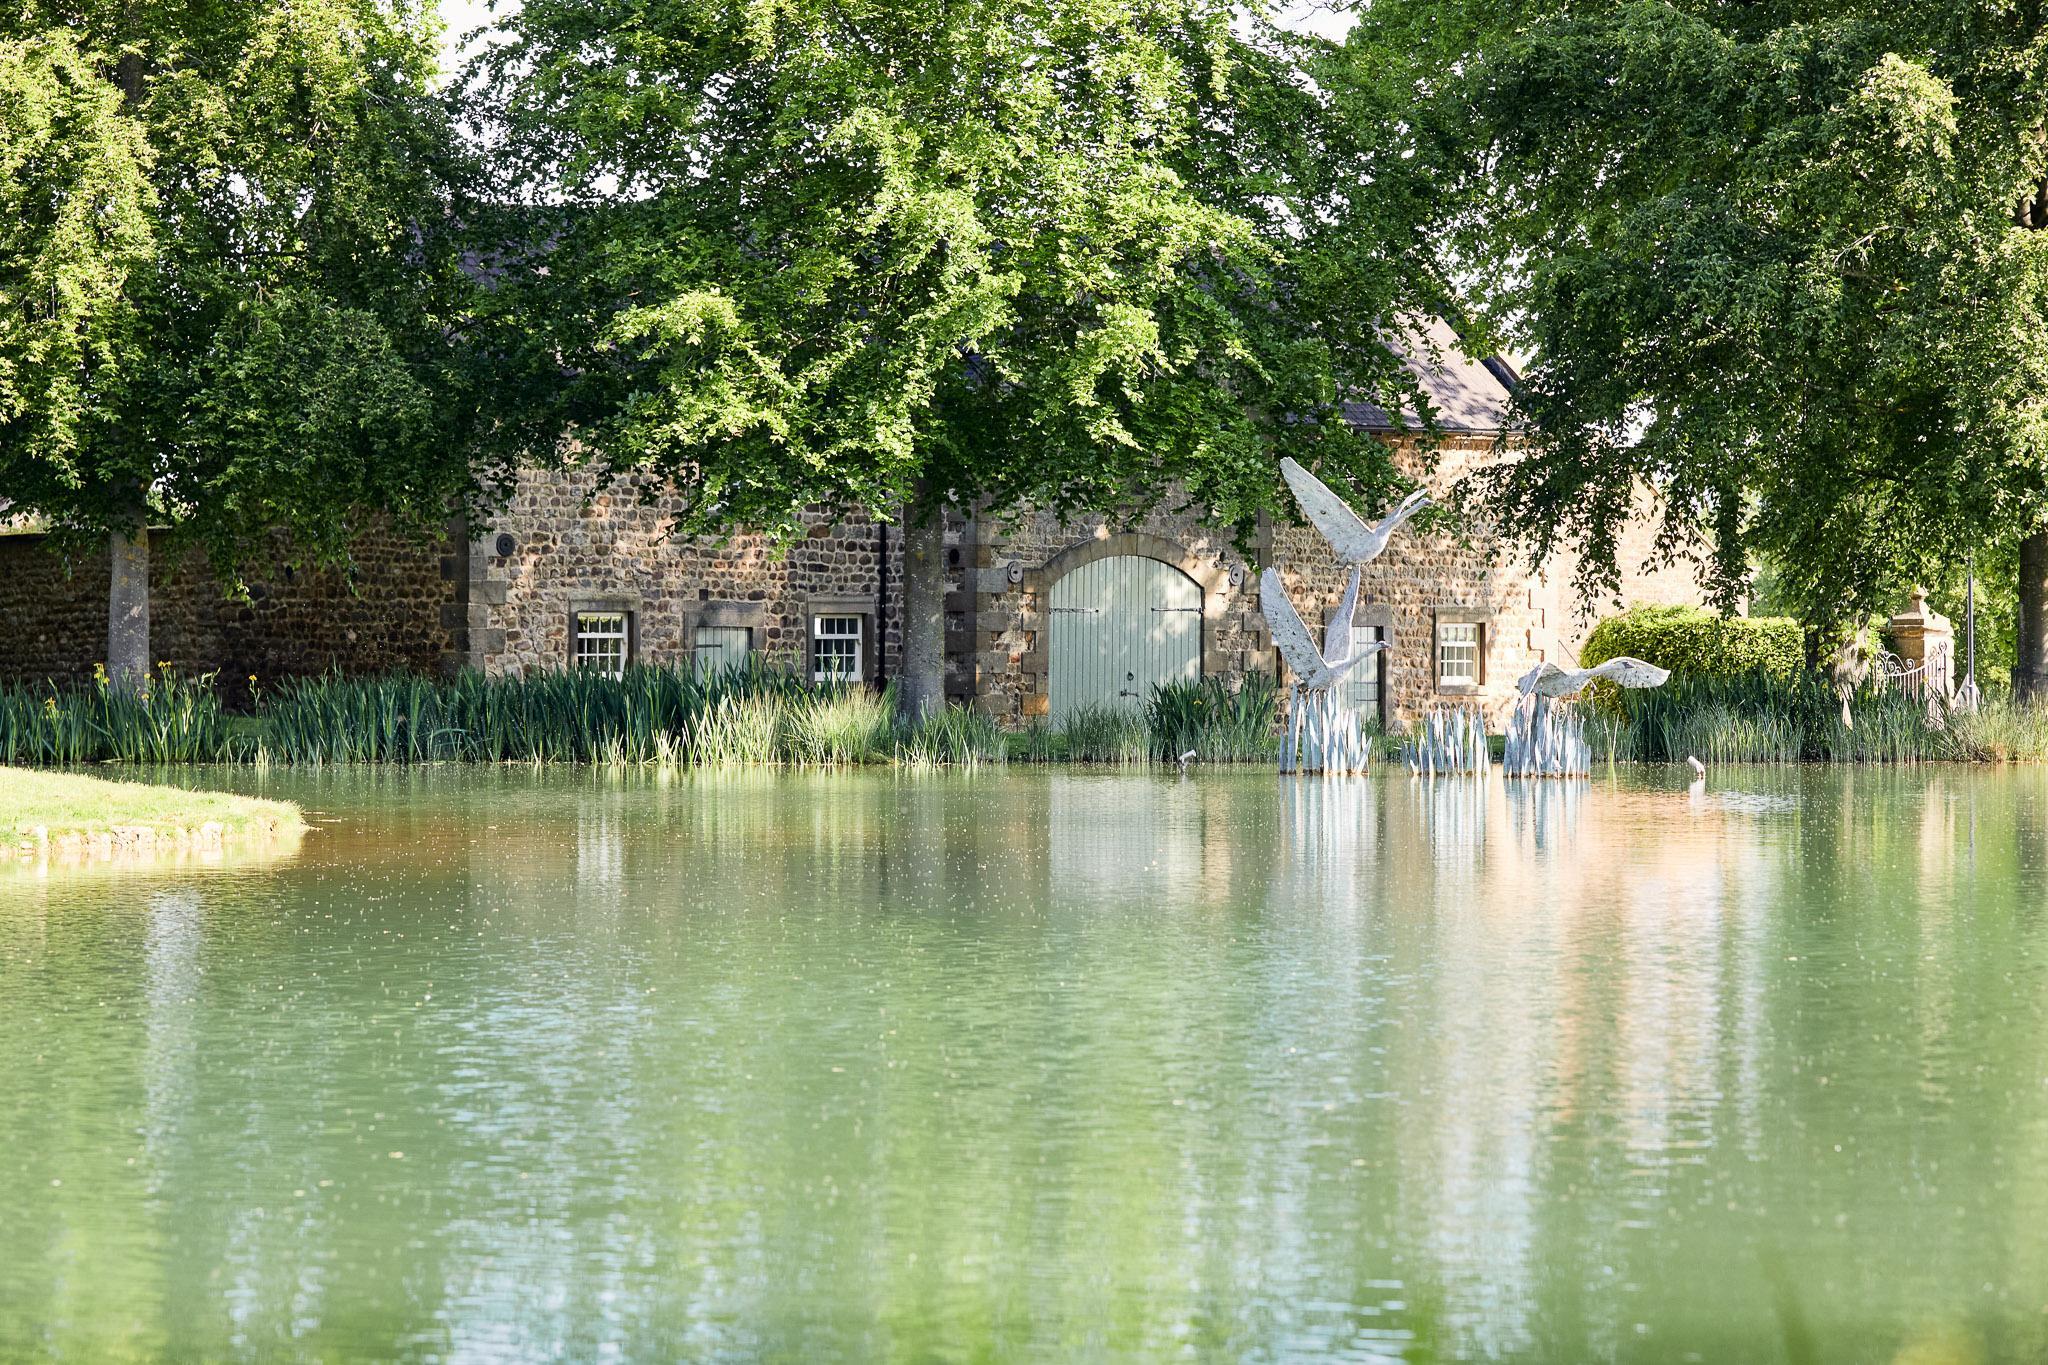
column 1120, row 626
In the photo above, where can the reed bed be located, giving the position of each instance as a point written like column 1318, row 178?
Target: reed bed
column 837, row 726
column 1036, row 743
column 736, row 731
column 1105, row 734
column 170, row 718
column 1762, row 718
column 749, row 714
column 648, row 715
column 2001, row 732
column 953, row 736
column 1216, row 723
column 753, row 713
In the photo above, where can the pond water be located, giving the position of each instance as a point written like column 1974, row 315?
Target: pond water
column 509, row 1065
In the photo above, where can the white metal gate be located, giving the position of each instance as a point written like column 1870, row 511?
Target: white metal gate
column 1119, row 626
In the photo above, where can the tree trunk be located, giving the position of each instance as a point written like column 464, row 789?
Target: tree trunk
column 2030, row 668
column 921, row 680
column 128, row 605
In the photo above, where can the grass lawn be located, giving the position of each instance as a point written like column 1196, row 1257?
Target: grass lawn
column 66, row 803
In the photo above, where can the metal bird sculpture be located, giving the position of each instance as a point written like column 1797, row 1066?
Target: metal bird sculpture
column 1548, row 680
column 1314, row 670
column 1337, row 635
column 1354, row 541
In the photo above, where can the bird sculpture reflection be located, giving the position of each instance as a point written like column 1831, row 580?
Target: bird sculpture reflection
column 1548, row 680
column 1315, row 670
column 1354, row 541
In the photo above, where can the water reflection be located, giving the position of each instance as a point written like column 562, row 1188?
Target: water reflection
column 1545, row 811
column 513, row 1065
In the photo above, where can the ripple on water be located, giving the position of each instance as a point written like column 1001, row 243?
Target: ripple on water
column 506, row 1065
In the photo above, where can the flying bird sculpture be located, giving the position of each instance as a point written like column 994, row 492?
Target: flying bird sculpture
column 1314, row 668
column 1324, row 735
column 1354, row 541
column 1548, row 741
column 1548, row 680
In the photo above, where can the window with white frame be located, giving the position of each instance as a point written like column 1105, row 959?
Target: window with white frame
column 835, row 649
column 1457, row 653
column 718, row 648
column 602, row 641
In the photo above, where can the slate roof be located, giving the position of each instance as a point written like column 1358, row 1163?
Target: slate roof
column 1470, row 396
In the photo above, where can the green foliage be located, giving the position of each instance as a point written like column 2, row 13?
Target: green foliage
column 230, row 276
column 857, row 254
column 171, row 718
column 1097, row 733
column 648, row 715
column 961, row 736
column 1770, row 257
column 736, row 729
column 75, row 205
column 1035, row 743
column 1691, row 642
column 837, row 725
column 1762, row 718
column 2004, row 732
column 1218, row 724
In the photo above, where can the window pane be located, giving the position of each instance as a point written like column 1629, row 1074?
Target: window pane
column 835, row 649
column 1457, row 653
column 601, row 641
column 720, row 647
column 1362, row 683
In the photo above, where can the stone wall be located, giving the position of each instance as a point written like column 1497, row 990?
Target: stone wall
column 999, row 649
column 502, row 597
column 381, row 612
column 564, row 544
column 999, row 654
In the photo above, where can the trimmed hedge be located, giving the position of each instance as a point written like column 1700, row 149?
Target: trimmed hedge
column 1689, row 640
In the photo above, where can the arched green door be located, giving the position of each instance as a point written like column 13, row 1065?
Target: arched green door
column 1120, row 626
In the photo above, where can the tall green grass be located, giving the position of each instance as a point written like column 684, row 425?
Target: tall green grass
column 1094, row 733
column 754, row 713
column 1214, row 722
column 838, row 725
column 1761, row 718
column 749, row 714
column 169, row 718
column 736, row 730
column 2000, row 732
column 956, row 736
column 650, row 714
column 1037, row 742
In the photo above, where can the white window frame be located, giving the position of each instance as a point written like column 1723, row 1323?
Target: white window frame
column 592, row 635
column 836, row 636
column 1446, row 641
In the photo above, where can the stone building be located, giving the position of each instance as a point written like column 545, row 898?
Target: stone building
column 1043, row 615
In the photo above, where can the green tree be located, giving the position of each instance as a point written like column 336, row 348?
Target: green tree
column 1777, row 262
column 893, row 255
column 231, row 295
